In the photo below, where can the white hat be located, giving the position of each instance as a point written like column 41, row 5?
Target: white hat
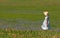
column 45, row 13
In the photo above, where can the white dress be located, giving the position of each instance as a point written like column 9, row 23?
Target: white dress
column 45, row 24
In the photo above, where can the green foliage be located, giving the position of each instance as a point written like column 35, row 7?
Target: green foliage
column 10, row 33
column 30, row 10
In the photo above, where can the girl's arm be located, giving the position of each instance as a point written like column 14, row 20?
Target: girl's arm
column 47, row 21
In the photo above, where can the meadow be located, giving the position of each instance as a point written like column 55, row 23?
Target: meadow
column 23, row 18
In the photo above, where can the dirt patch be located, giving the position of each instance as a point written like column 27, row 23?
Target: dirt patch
column 56, row 36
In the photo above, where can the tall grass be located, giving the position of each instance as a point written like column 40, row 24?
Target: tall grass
column 11, row 33
column 29, row 10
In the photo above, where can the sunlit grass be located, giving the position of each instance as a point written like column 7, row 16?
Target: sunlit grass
column 30, row 10
column 28, row 34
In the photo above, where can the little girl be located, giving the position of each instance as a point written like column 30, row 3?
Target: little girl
column 46, row 24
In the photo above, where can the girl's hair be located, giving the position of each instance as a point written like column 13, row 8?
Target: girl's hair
column 45, row 13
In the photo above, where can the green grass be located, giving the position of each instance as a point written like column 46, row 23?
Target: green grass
column 30, row 10
column 10, row 33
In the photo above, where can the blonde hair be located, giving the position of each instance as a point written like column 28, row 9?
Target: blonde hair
column 45, row 13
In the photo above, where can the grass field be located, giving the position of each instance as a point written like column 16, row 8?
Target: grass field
column 27, row 15
column 8, row 33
